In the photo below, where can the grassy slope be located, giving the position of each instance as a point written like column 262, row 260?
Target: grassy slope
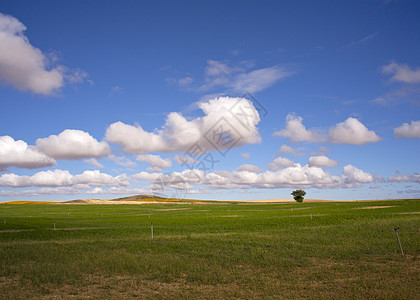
column 210, row 251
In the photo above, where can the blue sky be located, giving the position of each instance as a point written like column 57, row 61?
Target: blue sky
column 210, row 100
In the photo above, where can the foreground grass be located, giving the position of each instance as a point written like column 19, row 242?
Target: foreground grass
column 207, row 251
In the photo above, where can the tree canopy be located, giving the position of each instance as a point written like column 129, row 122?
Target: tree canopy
column 298, row 195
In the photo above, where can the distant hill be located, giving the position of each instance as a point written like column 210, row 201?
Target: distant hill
column 153, row 199
column 140, row 197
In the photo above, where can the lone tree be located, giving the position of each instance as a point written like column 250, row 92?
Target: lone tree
column 298, row 195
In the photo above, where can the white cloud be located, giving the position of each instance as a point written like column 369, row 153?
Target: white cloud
column 185, row 159
column 297, row 132
column 41, row 191
column 406, row 130
column 258, row 80
column 146, row 176
column 246, row 155
column 94, row 163
column 238, row 79
column 97, row 190
column 20, row 154
column 72, row 144
column 353, row 174
column 402, row 73
column 322, row 151
column 408, row 90
column 119, row 190
column 154, row 160
column 75, row 76
column 216, row 68
column 286, row 149
column 404, row 94
column 122, row 161
column 290, row 177
column 227, row 123
column 361, row 42
column 185, row 81
column 249, row 168
column 322, row 162
column 43, row 178
column 97, row 178
column 280, row 162
column 133, row 139
column 24, row 66
column 353, row 132
column 405, row 178
column 154, row 169
column 115, row 90
column 60, row 178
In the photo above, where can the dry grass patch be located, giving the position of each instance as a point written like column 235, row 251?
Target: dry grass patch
column 374, row 207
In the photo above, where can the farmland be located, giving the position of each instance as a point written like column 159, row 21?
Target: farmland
column 232, row 250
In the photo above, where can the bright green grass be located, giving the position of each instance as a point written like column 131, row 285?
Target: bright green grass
column 210, row 251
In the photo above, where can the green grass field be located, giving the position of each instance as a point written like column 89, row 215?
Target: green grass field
column 206, row 251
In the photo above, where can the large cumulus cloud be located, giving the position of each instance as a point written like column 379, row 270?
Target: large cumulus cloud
column 20, row 154
column 25, row 67
column 227, row 123
column 72, row 144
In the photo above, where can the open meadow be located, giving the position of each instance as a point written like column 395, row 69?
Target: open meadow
column 336, row 250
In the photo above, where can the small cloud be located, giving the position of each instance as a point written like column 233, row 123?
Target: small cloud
column 354, row 174
column 352, row 132
column 406, row 93
column 155, row 161
column 153, row 169
column 297, row 132
column 406, row 131
column 322, row 151
column 249, row 168
column 259, row 79
column 94, row 163
column 185, row 81
column 405, row 178
column 286, row 149
column 115, row 90
column 122, row 161
column 361, row 42
column 409, row 79
column 280, row 162
column 246, row 155
column 185, row 160
column 96, row 190
column 235, row 52
column 233, row 78
column 76, row 76
column 321, row 162
column 402, row 73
